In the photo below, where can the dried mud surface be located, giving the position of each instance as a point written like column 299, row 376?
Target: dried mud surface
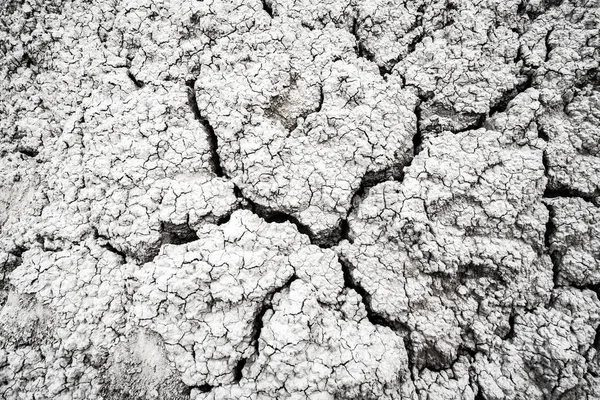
column 300, row 199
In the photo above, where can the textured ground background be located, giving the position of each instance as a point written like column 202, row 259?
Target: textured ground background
column 335, row 199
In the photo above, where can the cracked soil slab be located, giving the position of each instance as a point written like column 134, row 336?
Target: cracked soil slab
column 300, row 199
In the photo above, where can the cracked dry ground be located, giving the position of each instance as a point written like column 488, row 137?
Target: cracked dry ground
column 300, row 199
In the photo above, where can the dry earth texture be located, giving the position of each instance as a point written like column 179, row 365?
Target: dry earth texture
column 300, row 199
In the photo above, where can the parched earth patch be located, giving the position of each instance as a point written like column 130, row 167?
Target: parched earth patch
column 296, row 199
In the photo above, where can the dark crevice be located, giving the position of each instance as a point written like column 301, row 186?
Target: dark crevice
column 369, row 180
column 418, row 24
column 238, row 193
column 373, row 317
column 281, row 217
column 362, row 51
column 511, row 328
column 107, row 245
column 258, row 324
column 533, row 15
column 223, row 219
column 18, row 251
column 376, row 318
column 344, row 226
column 594, row 287
column 478, row 124
column 542, row 134
column 590, row 77
column 114, row 250
column 204, row 388
column 373, row 178
column 433, row 361
column 135, row 81
column 28, row 151
column 273, row 216
column 408, row 346
column 321, row 99
column 550, row 228
column 549, row 4
column 359, row 47
column 545, row 6
column 267, row 7
column 5, row 271
column 547, row 44
column 212, row 137
column 499, row 106
column 307, row 26
column 345, row 229
column 519, row 55
column 237, row 371
column 267, row 305
column 27, row 60
column 177, row 233
column 479, row 395
column 324, row 240
column 502, row 104
column 384, row 71
column 522, row 9
column 555, row 256
column 418, row 137
column 596, row 344
column 556, row 191
column 415, row 41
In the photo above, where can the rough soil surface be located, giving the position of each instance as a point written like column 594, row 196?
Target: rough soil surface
column 300, row 199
